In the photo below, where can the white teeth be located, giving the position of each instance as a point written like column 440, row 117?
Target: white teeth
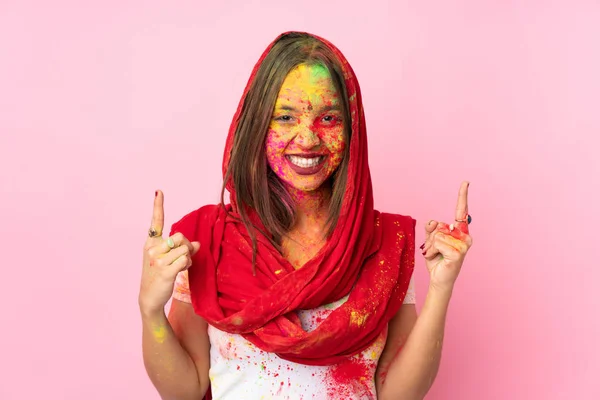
column 305, row 162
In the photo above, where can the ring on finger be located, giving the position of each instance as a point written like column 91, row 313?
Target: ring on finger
column 467, row 220
column 170, row 243
column 154, row 232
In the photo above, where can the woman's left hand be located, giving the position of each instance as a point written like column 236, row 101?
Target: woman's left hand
column 446, row 245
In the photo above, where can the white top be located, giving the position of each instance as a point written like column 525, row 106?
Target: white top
column 239, row 370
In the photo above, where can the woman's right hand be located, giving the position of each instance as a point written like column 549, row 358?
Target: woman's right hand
column 163, row 260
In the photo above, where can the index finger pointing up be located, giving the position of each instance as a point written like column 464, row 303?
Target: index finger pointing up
column 158, row 214
column 462, row 207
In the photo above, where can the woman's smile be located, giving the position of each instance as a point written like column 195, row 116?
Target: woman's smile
column 306, row 165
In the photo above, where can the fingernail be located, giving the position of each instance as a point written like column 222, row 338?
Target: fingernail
column 156, row 193
column 424, row 252
column 451, row 227
column 422, row 246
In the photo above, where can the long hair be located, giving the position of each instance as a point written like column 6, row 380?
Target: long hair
column 256, row 185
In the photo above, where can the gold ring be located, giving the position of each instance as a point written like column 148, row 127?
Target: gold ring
column 467, row 220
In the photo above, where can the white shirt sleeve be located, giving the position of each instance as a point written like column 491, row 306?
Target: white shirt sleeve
column 411, row 297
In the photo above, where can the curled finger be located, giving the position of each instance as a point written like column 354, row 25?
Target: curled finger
column 166, row 259
column 429, row 229
column 182, row 263
column 177, row 240
column 430, row 251
column 439, row 227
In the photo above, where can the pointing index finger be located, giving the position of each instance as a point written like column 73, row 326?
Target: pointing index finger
column 158, row 214
column 462, row 207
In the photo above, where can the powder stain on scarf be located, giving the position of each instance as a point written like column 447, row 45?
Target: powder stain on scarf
column 357, row 318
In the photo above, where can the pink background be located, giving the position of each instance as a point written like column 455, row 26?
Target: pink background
column 100, row 104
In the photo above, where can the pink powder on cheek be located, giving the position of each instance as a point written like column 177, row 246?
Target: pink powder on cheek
column 274, row 148
column 275, row 142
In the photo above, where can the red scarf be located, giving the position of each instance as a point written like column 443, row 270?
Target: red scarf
column 370, row 256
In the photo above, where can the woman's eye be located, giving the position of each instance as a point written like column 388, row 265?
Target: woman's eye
column 284, row 118
column 330, row 118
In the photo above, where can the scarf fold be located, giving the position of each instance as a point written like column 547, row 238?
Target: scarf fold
column 370, row 257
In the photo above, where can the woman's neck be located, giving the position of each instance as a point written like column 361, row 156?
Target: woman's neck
column 311, row 207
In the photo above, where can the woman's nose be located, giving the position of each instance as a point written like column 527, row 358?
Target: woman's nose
column 307, row 139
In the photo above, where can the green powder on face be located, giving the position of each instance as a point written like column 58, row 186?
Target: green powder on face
column 319, row 72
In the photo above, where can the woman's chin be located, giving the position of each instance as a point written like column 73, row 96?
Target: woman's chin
column 310, row 186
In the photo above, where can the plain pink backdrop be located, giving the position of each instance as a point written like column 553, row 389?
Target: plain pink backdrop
column 103, row 102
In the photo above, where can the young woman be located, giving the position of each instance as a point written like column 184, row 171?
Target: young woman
column 297, row 289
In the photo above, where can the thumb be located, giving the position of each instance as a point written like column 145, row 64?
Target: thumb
column 195, row 247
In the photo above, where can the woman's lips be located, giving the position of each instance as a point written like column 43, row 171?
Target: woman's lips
column 309, row 169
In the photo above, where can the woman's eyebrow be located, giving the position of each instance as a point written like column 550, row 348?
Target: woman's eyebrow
column 286, row 107
column 330, row 107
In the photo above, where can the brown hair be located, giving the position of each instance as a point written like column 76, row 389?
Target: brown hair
column 256, row 185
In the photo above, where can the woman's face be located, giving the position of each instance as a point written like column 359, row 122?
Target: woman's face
column 305, row 141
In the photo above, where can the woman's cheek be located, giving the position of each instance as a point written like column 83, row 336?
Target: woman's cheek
column 336, row 160
column 275, row 142
column 336, row 142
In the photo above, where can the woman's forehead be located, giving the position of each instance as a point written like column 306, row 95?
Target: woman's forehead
column 309, row 82
column 308, row 75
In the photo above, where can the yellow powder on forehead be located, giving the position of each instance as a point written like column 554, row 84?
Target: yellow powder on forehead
column 309, row 84
column 314, row 73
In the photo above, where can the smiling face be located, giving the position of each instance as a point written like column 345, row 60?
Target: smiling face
column 305, row 141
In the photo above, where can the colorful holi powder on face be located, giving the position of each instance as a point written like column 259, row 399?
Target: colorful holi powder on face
column 319, row 72
column 307, row 120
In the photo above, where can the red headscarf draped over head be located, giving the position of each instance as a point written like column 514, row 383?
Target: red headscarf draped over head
column 370, row 256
